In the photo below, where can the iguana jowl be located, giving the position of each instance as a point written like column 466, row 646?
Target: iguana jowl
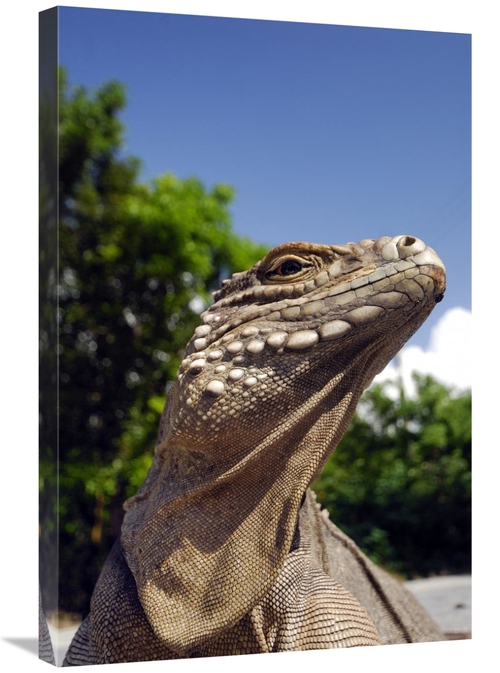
column 223, row 550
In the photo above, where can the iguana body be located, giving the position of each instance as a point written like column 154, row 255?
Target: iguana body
column 223, row 549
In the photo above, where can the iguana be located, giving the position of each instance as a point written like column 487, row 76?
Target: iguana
column 224, row 550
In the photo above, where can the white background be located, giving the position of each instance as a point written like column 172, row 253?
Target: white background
column 19, row 348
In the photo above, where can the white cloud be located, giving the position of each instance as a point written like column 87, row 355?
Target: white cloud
column 448, row 357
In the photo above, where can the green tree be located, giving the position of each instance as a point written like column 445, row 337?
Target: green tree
column 137, row 264
column 48, row 427
column 399, row 483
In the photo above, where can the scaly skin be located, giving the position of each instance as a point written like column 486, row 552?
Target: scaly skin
column 214, row 558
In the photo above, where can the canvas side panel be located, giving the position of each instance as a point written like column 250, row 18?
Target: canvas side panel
column 48, row 339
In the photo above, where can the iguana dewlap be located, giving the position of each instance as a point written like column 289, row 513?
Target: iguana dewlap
column 223, row 550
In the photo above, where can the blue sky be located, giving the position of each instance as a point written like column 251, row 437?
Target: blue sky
column 328, row 133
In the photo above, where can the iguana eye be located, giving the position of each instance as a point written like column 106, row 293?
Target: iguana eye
column 287, row 268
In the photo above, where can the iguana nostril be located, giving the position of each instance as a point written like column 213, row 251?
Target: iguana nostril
column 406, row 246
column 407, row 241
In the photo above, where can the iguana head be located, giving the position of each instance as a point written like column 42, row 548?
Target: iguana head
column 267, row 388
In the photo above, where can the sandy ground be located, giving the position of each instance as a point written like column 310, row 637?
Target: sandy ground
column 447, row 599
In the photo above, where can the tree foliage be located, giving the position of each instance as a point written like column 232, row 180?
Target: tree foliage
column 47, row 295
column 399, row 483
column 137, row 263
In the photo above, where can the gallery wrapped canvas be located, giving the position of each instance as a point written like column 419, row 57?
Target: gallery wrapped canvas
column 206, row 486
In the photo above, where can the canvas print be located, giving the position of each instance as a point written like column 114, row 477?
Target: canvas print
column 254, row 316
